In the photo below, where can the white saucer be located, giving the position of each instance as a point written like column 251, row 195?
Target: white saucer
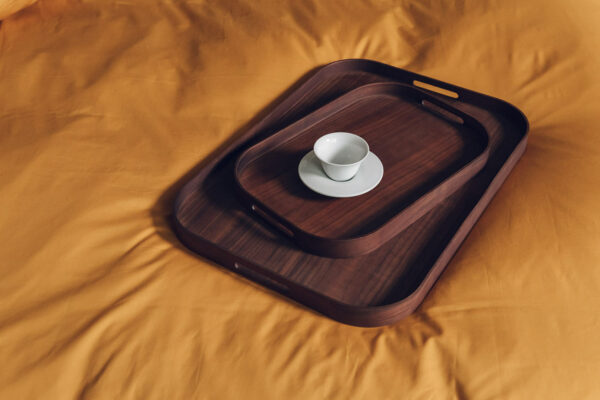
column 368, row 177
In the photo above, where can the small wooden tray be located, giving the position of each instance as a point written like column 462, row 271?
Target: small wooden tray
column 428, row 149
column 375, row 289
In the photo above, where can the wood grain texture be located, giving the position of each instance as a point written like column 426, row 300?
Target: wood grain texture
column 427, row 156
column 375, row 289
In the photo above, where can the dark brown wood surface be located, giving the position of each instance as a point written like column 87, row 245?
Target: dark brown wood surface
column 375, row 289
column 426, row 155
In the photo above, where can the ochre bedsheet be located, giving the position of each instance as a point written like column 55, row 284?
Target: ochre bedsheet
column 105, row 105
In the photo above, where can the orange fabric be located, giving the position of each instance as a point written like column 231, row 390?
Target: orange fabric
column 104, row 105
column 9, row 7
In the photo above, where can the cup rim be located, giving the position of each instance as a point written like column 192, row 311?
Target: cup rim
column 364, row 142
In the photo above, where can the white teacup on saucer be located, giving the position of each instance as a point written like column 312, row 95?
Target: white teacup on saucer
column 344, row 166
column 341, row 154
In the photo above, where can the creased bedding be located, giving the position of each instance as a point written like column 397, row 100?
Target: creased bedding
column 105, row 106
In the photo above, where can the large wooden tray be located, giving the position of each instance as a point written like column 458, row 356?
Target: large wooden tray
column 428, row 149
column 375, row 289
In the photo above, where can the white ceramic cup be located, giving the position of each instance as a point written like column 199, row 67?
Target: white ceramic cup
column 341, row 154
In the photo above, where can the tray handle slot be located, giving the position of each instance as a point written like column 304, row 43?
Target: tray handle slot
column 442, row 112
column 435, row 89
column 272, row 221
column 261, row 279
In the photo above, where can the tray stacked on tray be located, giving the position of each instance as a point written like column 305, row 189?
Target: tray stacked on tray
column 367, row 260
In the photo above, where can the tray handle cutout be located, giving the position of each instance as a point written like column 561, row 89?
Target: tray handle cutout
column 435, row 89
column 263, row 280
column 442, row 112
column 272, row 221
